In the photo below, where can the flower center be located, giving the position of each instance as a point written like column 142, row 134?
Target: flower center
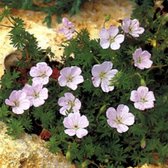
column 143, row 100
column 36, row 95
column 75, row 127
column 70, row 78
column 118, row 120
column 102, row 75
column 42, row 74
column 16, row 103
column 111, row 39
column 130, row 29
column 139, row 60
column 71, row 103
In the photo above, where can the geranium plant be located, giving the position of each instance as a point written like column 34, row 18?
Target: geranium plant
column 106, row 104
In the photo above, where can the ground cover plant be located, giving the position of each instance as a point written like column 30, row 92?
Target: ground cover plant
column 106, row 104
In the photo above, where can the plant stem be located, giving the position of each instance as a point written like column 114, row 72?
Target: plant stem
column 10, row 20
column 6, row 26
column 156, row 66
column 96, row 59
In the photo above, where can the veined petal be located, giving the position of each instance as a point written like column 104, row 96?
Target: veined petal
column 111, row 74
column 122, row 128
column 146, row 54
column 105, row 86
column 24, row 104
column 96, row 70
column 150, row 96
column 9, row 103
column 44, row 93
column 72, row 85
column 134, row 96
column 83, row 122
column 114, row 46
column 142, row 91
column 17, row 110
column 119, row 38
column 75, row 71
column 139, row 105
column 78, row 79
column 149, row 104
column 113, row 31
column 68, row 122
column 65, row 71
column 126, row 24
column 106, row 66
column 81, row 132
column 104, row 43
column 128, row 119
column 140, row 30
column 112, row 123
column 38, row 102
column 21, row 95
column 134, row 23
column 33, row 71
column 69, row 96
column 147, row 63
column 62, row 101
column 63, row 110
column 111, row 113
column 96, row 81
column 62, row 81
column 104, row 34
column 70, row 132
column 122, row 109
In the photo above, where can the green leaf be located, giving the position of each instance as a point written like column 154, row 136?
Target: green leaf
column 15, row 128
column 4, row 112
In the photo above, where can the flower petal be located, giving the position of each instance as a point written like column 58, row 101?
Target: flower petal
column 104, row 43
column 104, row 34
column 114, row 46
column 113, row 31
column 70, row 132
column 119, row 38
column 81, row 133
column 122, row 128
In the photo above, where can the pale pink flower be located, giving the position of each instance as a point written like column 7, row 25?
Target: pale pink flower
column 102, row 75
column 18, row 101
column 67, row 29
column 40, row 73
column 76, row 124
column 142, row 98
column 132, row 27
column 70, row 77
column 110, row 37
column 120, row 118
column 36, row 94
column 69, row 104
column 142, row 59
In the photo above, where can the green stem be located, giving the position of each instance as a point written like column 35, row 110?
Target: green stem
column 142, row 81
column 156, row 66
column 96, row 59
column 10, row 20
column 93, row 163
column 6, row 26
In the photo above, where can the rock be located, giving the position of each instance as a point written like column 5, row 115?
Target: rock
column 28, row 152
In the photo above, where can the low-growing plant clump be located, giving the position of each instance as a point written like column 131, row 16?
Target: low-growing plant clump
column 106, row 104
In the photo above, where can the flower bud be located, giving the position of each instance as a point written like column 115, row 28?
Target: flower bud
column 143, row 83
column 68, row 155
column 143, row 143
